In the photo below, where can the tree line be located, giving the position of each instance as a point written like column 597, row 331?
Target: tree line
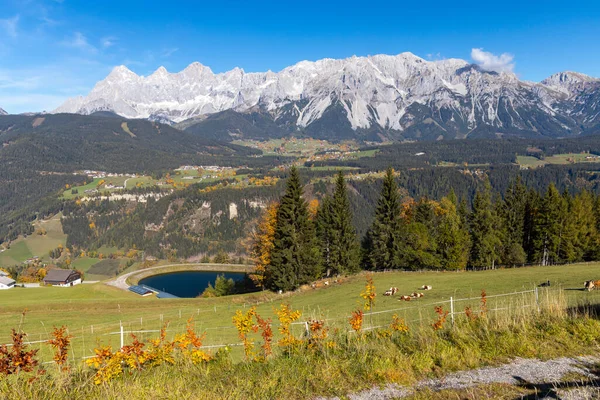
column 297, row 242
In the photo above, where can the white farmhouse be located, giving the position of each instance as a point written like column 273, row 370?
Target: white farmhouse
column 6, row 282
column 62, row 277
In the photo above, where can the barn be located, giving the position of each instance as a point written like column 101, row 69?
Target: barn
column 62, row 277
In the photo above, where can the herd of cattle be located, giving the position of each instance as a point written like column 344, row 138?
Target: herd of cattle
column 415, row 295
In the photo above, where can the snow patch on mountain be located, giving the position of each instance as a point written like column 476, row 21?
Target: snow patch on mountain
column 376, row 90
column 2, row 112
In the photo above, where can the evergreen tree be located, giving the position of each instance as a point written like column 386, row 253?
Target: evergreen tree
column 532, row 206
column 384, row 235
column 580, row 228
column 325, row 234
column 339, row 245
column 295, row 258
column 418, row 229
column 453, row 240
column 549, row 227
column 512, row 215
column 484, row 238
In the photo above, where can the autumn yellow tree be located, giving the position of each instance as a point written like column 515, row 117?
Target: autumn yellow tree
column 262, row 239
column 313, row 207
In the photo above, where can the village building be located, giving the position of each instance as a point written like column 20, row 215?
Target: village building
column 6, row 282
column 62, row 277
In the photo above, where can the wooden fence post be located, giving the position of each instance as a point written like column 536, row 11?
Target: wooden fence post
column 452, row 310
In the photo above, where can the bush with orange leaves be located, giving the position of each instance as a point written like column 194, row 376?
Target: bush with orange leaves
column 398, row 324
column 267, row 334
column 356, row 320
column 108, row 365
column 161, row 350
column 134, row 354
column 471, row 316
column 369, row 293
column 18, row 358
column 441, row 320
column 190, row 344
column 61, row 341
column 483, row 305
column 286, row 317
column 317, row 333
column 244, row 325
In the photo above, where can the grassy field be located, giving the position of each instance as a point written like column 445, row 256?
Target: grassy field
column 561, row 159
column 35, row 245
column 93, row 312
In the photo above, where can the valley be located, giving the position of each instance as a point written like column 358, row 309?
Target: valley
column 299, row 201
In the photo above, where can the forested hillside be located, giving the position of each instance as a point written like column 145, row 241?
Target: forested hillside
column 40, row 153
column 196, row 221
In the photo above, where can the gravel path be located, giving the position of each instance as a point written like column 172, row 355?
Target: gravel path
column 520, row 371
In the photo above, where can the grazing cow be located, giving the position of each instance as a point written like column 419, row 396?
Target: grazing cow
column 391, row 291
column 416, row 295
column 405, row 298
column 425, row 287
column 589, row 285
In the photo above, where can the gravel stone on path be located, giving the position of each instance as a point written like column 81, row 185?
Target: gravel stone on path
column 519, row 371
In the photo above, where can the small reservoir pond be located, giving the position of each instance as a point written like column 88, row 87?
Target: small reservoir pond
column 187, row 283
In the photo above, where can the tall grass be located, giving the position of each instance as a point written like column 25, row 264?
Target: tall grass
column 348, row 363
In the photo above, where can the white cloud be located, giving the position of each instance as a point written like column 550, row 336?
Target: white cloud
column 169, row 52
column 491, row 62
column 108, row 41
column 9, row 25
column 79, row 41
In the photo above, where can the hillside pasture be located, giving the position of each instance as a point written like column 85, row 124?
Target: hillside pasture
column 558, row 159
column 35, row 244
column 93, row 312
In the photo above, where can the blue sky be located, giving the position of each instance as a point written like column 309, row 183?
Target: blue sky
column 54, row 49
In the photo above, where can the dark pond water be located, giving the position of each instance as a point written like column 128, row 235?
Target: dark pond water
column 187, row 283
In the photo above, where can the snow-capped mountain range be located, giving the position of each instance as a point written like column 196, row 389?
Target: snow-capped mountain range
column 375, row 97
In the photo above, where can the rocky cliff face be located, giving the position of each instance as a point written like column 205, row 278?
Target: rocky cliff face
column 376, row 97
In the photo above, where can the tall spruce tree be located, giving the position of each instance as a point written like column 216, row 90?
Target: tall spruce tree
column 418, row 231
column 384, row 236
column 336, row 232
column 295, row 258
column 324, row 226
column 532, row 207
column 549, row 227
column 512, row 215
column 583, row 218
column 485, row 242
column 453, row 241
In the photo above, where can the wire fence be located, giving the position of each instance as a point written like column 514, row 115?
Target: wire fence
column 415, row 312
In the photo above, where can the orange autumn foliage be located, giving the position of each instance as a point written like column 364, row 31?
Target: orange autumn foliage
column 369, row 293
column 262, row 243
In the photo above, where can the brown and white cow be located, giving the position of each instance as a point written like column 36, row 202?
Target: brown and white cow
column 425, row 287
column 589, row 285
column 391, row 291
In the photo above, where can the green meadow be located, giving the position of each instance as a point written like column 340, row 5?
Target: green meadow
column 94, row 312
